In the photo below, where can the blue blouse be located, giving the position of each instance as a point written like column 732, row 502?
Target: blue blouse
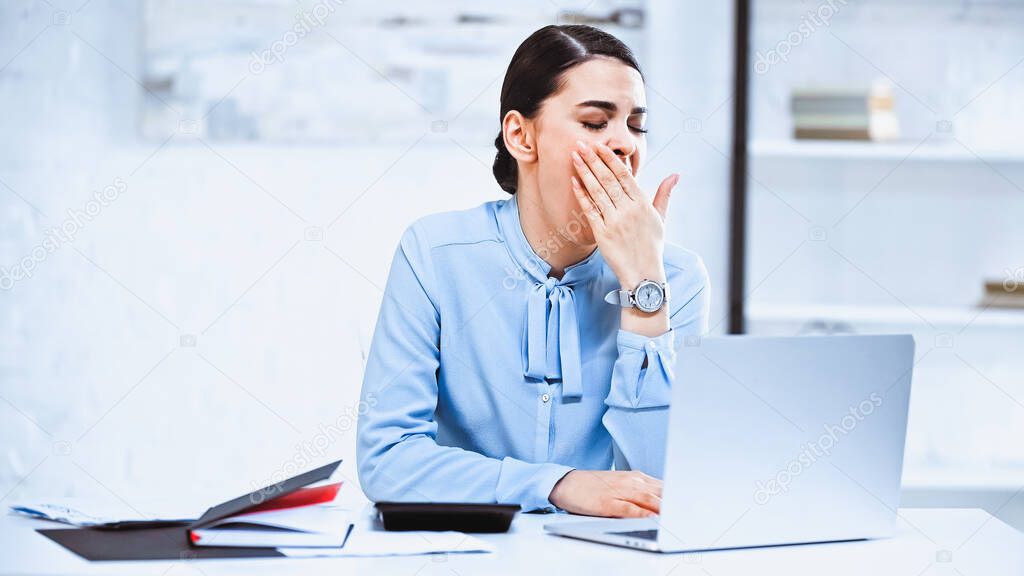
column 488, row 380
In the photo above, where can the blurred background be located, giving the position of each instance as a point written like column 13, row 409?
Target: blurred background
column 199, row 201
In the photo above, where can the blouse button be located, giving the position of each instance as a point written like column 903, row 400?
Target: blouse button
column 652, row 345
column 545, row 397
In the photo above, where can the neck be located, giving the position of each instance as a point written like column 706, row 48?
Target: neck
column 547, row 237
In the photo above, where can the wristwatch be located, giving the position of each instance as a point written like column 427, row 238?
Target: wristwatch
column 648, row 296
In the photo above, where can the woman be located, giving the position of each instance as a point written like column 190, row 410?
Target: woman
column 506, row 365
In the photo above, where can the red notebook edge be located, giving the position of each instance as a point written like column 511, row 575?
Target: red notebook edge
column 299, row 498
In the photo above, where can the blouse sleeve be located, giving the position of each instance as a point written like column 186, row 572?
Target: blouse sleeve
column 637, row 404
column 398, row 457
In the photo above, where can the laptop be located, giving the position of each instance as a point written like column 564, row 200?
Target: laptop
column 776, row 440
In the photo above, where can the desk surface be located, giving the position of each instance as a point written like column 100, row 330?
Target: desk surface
column 963, row 542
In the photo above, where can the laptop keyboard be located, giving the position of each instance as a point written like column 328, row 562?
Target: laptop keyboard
column 643, row 534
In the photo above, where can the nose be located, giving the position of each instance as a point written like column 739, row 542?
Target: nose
column 623, row 144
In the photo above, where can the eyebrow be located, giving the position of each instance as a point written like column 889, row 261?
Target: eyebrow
column 609, row 106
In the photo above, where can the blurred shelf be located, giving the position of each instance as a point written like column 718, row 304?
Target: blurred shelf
column 853, row 315
column 946, row 479
column 876, row 151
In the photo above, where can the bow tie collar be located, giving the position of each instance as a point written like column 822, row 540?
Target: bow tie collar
column 552, row 336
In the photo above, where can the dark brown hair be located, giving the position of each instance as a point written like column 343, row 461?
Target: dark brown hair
column 536, row 73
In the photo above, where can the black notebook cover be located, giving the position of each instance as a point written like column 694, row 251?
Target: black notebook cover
column 144, row 544
column 172, row 543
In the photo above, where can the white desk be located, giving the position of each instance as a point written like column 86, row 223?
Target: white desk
column 929, row 542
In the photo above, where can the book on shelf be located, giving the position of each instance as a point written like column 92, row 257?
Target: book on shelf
column 844, row 114
column 1003, row 294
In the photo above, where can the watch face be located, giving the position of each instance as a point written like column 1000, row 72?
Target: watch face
column 649, row 296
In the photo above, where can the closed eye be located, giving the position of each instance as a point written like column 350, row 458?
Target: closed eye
column 603, row 125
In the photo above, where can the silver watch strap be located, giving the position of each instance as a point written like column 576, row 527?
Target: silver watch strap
column 619, row 298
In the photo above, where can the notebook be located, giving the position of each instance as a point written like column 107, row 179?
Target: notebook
column 157, row 541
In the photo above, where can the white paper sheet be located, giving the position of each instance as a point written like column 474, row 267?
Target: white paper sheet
column 321, row 525
column 366, row 542
column 318, row 518
column 83, row 511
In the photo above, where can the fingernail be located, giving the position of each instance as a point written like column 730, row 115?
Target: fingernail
column 576, row 158
column 581, row 145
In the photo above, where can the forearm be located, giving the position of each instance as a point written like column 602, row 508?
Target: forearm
column 643, row 374
column 417, row 469
column 638, row 400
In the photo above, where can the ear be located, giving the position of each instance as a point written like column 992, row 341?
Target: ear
column 518, row 133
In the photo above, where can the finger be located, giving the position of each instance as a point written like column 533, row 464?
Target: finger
column 618, row 169
column 590, row 183
column 649, row 483
column 646, row 500
column 653, row 485
column 645, row 489
column 591, row 211
column 623, row 509
column 601, row 170
column 664, row 193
